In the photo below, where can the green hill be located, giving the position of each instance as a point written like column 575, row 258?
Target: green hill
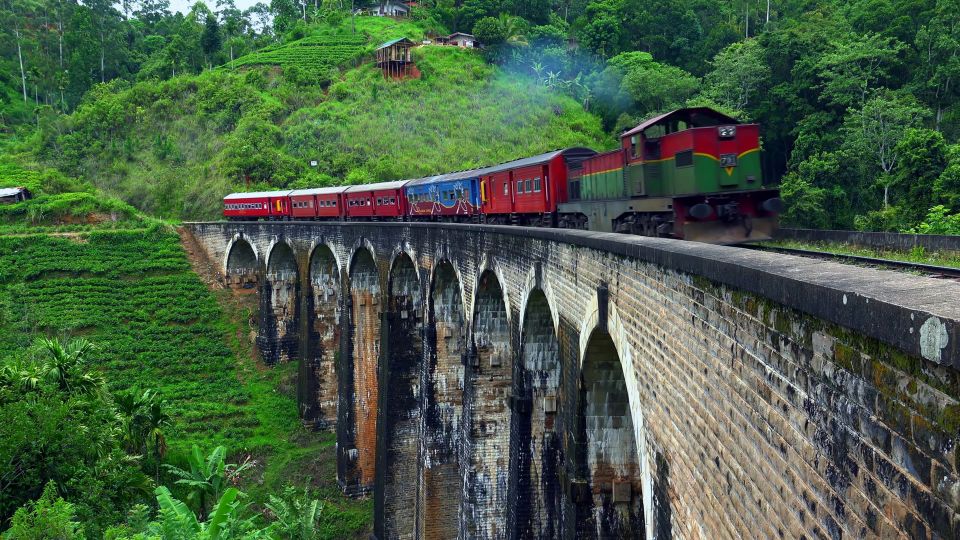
column 173, row 148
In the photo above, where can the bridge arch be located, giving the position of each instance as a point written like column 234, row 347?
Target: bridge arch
column 360, row 394
column 318, row 373
column 489, row 391
column 279, row 335
column 441, row 480
column 611, row 422
column 241, row 264
column 540, row 459
column 400, row 398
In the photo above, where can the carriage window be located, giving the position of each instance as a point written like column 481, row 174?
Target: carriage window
column 505, row 189
column 519, row 186
column 536, row 184
column 529, row 186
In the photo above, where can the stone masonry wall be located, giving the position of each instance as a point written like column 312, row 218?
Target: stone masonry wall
column 440, row 485
column 768, row 396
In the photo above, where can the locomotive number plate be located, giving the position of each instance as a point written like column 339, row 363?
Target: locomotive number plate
column 728, row 160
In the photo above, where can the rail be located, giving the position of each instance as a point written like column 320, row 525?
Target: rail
column 874, row 240
column 929, row 270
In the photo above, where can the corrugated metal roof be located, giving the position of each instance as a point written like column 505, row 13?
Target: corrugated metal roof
column 10, row 192
column 257, row 194
column 319, row 191
column 396, row 184
column 692, row 110
column 392, row 42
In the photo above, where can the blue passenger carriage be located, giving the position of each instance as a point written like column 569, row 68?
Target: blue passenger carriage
column 453, row 196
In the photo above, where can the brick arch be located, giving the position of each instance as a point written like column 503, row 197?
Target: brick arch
column 489, row 265
column 398, row 445
column 279, row 333
column 488, row 394
column 281, row 252
column 613, row 337
column 441, row 258
column 359, row 386
column 441, row 480
column 317, row 382
column 241, row 263
column 540, row 452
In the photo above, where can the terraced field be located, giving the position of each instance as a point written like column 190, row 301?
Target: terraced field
column 311, row 53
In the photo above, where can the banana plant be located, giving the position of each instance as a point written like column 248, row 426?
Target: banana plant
column 206, row 478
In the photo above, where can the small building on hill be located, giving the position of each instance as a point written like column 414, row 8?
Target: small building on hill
column 391, row 8
column 395, row 59
column 13, row 195
column 460, row 39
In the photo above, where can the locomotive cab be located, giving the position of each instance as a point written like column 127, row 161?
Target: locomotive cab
column 691, row 173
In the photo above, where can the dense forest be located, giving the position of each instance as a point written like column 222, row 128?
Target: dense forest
column 858, row 100
column 116, row 114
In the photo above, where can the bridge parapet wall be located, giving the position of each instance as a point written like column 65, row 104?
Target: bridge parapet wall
column 767, row 395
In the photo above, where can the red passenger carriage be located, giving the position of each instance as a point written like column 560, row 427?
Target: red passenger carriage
column 383, row 201
column 319, row 203
column 272, row 205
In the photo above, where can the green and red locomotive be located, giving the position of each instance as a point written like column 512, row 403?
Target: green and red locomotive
column 692, row 173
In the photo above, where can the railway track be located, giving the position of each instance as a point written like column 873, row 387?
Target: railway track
column 930, row 270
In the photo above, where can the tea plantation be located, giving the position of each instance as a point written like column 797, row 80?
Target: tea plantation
column 156, row 325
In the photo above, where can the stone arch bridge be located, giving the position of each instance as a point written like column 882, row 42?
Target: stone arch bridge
column 499, row 382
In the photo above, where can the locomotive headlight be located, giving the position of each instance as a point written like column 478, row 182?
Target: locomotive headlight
column 727, row 132
column 728, row 160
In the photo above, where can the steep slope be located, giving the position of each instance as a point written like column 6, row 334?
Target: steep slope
column 128, row 286
column 173, row 148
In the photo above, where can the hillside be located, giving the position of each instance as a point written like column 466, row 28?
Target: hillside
column 173, row 148
column 127, row 285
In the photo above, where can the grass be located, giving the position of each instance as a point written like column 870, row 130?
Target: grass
column 917, row 255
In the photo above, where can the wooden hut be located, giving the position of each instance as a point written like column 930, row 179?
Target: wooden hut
column 13, row 195
column 395, row 59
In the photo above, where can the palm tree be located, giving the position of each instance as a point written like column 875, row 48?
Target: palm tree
column 143, row 417
column 513, row 29
column 207, row 478
column 65, row 365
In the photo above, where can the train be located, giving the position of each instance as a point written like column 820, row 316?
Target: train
column 692, row 173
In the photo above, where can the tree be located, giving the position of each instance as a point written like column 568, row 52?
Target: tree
column 489, row 31
column 739, row 73
column 210, row 39
column 49, row 517
column 875, row 130
column 853, row 67
column 207, row 477
column 938, row 46
column 923, row 157
column 652, row 86
column 602, row 28
column 65, row 364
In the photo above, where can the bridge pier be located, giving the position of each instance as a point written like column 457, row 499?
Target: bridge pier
column 440, row 483
column 398, row 446
column 488, row 403
column 359, row 412
column 579, row 385
column 278, row 335
column 317, row 390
